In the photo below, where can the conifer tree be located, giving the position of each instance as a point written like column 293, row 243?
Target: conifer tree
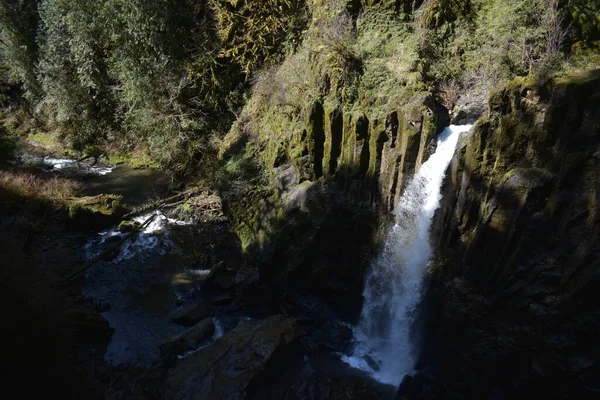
column 18, row 28
column 72, row 70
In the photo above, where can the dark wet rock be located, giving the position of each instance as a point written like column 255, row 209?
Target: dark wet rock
column 415, row 388
column 372, row 363
column 334, row 335
column 224, row 369
column 113, row 239
column 220, row 298
column 191, row 314
column 318, row 378
column 221, row 276
column 189, row 339
column 307, row 307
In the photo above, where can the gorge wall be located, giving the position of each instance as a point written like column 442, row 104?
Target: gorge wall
column 511, row 310
column 325, row 193
column 516, row 310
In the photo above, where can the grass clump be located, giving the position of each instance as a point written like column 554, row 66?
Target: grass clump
column 34, row 186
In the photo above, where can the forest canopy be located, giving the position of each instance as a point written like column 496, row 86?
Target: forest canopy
column 167, row 75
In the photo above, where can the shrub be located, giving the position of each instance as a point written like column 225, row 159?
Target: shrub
column 253, row 31
column 496, row 41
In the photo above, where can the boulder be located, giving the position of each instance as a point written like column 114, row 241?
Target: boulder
column 189, row 339
column 286, row 177
column 224, row 369
column 334, row 335
column 320, row 378
column 221, row 276
column 128, row 226
column 192, row 313
column 92, row 212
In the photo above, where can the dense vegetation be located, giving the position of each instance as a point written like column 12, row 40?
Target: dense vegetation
column 128, row 73
column 167, row 77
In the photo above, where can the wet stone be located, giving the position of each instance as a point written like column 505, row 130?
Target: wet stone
column 192, row 313
column 128, row 226
column 189, row 339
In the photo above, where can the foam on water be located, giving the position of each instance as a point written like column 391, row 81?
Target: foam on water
column 63, row 164
column 153, row 237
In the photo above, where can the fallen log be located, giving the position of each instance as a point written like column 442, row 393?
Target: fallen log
column 160, row 203
column 171, row 205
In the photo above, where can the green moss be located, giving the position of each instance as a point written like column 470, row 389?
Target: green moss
column 580, row 78
column 523, row 82
column 136, row 160
column 52, row 142
column 46, row 139
column 92, row 211
column 128, row 226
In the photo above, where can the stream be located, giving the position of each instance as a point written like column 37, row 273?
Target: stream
column 137, row 290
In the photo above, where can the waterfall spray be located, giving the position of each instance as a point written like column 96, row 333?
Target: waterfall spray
column 394, row 285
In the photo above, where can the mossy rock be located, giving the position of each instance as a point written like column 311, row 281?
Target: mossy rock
column 580, row 78
column 128, row 226
column 95, row 211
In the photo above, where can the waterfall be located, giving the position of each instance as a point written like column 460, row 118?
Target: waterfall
column 394, row 285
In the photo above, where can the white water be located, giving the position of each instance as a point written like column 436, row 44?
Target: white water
column 152, row 240
column 136, row 288
column 66, row 165
column 393, row 288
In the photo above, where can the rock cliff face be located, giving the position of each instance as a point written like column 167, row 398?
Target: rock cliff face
column 519, row 257
column 371, row 158
column 511, row 312
column 326, row 194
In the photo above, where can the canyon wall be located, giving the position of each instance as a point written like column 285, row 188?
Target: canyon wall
column 317, row 214
column 514, row 297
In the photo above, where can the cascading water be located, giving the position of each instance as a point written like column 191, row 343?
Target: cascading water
column 394, row 285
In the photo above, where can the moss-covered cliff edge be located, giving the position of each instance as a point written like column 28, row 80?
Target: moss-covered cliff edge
column 323, row 192
column 523, row 180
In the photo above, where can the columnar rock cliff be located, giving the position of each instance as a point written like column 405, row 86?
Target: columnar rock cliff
column 518, row 239
column 511, row 311
column 326, row 193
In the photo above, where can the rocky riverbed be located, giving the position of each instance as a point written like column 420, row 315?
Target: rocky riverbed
column 174, row 298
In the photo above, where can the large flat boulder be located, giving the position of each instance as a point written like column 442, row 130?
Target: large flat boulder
column 191, row 314
column 189, row 339
column 224, row 369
